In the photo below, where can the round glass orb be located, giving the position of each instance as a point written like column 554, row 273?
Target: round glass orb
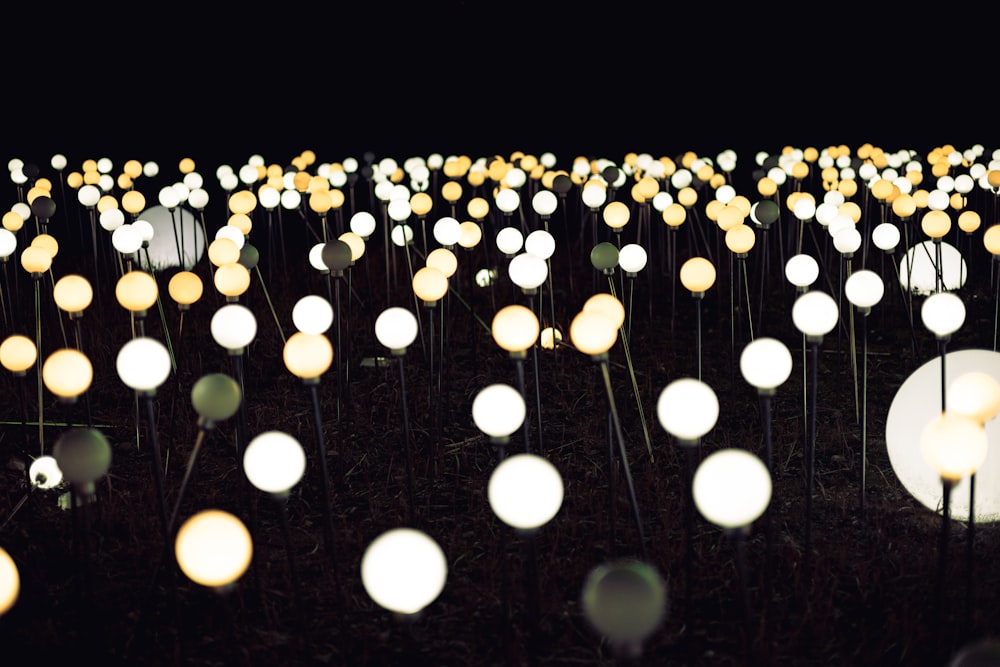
column 697, row 274
column 549, row 338
column 396, row 328
column 10, row 582
column 515, row 328
column 740, row 239
column 447, row 230
column 498, row 410
column 35, row 260
column 67, row 373
column 356, row 244
column 953, row 445
column 312, row 314
column 444, row 260
column 111, row 219
column 593, row 332
column 18, row 353
column 274, row 462
column 847, row 241
column 528, row 271
column 540, row 243
column 232, row 280
column 525, row 491
column 975, row 394
column 731, row 488
column 594, row 194
column 969, row 221
column 802, row 270
column 8, row 243
column 991, row 238
column 126, row 240
column 687, row 409
column 864, row 288
column 544, row 203
column 73, row 293
column 403, row 570
column 507, row 200
column 943, row 313
column 307, row 355
column 362, row 223
column 936, row 224
column 337, row 255
column 213, row 548
column 766, row 363
column 471, row 234
column 625, row 601
column 604, row 257
column 609, row 305
column 44, row 473
column 83, row 456
column 215, row 397
column 616, row 215
column 143, row 363
column 46, row 242
column 510, row 240
column 765, row 212
column 430, row 285
column 223, row 250
column 815, row 313
column 234, row 326
column 12, row 222
column 185, row 288
column 136, row 291
column 632, row 258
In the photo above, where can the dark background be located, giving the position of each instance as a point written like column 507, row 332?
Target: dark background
column 223, row 82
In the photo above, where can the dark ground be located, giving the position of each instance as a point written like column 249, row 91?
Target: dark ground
column 868, row 598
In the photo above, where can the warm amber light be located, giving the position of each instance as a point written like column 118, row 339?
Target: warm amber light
column 904, row 206
column 67, row 373
column 452, row 190
column 307, row 356
column 35, row 260
column 593, row 332
column 133, row 202
column 444, row 260
column 12, row 221
column 478, row 208
column 213, row 548
column 232, row 279
column 243, row 201
column 355, row 242
column 46, row 242
column 18, row 353
column 470, row 234
column 674, row 215
column 616, row 215
column 609, row 305
column 421, row 204
column 697, row 274
column 729, row 217
column 515, row 328
column 991, row 239
column 430, row 285
column 73, row 293
column 185, row 288
column 740, row 239
column 136, row 291
column 969, row 221
column 935, row 224
column 242, row 222
column 223, row 250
